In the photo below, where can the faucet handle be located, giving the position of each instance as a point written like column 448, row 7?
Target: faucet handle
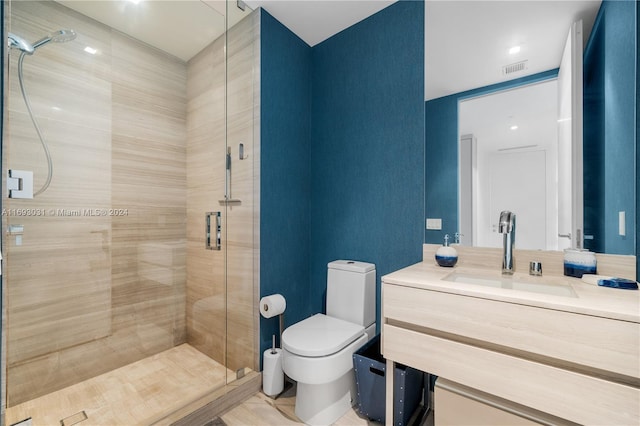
column 456, row 237
column 505, row 224
column 535, row 268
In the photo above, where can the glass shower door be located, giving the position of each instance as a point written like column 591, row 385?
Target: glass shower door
column 99, row 273
column 242, row 193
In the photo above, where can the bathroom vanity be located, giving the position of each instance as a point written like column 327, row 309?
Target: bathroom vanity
column 519, row 350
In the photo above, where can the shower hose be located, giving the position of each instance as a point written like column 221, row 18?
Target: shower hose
column 37, row 127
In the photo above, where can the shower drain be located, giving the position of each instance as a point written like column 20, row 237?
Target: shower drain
column 74, row 419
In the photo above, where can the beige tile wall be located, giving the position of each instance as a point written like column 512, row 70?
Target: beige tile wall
column 149, row 176
column 59, row 276
column 243, row 105
column 206, row 301
column 87, row 294
column 210, row 310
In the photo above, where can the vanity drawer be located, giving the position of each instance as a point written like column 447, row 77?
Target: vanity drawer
column 461, row 405
column 455, row 410
column 562, row 393
column 611, row 346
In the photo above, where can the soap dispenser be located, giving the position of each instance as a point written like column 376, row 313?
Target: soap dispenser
column 446, row 255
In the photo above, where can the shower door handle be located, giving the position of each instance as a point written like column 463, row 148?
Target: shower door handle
column 213, row 231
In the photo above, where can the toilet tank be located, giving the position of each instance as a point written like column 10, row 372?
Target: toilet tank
column 351, row 291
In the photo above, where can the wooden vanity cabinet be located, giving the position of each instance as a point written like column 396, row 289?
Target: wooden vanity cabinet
column 557, row 361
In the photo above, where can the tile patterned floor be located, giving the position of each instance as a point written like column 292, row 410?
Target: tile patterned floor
column 260, row 410
column 131, row 395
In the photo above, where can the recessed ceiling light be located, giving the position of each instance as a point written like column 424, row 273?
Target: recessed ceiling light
column 90, row 50
column 514, row 50
column 514, row 127
column 134, row 1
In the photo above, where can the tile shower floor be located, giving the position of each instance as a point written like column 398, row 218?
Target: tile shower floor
column 163, row 383
column 130, row 395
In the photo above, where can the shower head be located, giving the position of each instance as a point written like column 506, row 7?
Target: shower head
column 60, row 36
column 17, row 42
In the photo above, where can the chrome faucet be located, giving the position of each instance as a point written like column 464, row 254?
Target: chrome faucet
column 507, row 227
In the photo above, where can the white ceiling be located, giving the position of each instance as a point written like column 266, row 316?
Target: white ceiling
column 181, row 28
column 532, row 108
column 314, row 21
column 466, row 42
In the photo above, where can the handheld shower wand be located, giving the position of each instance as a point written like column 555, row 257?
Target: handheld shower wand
column 16, row 42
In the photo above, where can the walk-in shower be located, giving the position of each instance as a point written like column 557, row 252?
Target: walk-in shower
column 16, row 42
column 114, row 310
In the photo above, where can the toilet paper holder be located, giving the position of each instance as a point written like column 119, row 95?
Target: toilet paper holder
column 266, row 313
column 273, row 305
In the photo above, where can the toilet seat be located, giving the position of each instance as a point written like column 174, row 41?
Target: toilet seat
column 320, row 335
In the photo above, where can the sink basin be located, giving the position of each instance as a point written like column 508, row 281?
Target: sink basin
column 533, row 284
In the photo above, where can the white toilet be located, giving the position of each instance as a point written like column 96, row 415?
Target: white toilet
column 317, row 352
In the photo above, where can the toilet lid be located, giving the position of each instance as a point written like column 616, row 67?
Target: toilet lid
column 320, row 335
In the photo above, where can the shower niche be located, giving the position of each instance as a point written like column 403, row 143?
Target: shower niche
column 126, row 129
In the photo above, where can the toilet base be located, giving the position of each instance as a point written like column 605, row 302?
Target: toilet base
column 320, row 405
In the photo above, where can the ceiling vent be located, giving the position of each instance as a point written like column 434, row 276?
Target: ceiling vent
column 513, row 68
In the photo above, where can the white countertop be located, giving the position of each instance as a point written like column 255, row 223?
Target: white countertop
column 588, row 299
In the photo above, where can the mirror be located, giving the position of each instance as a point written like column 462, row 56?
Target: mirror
column 508, row 150
column 608, row 111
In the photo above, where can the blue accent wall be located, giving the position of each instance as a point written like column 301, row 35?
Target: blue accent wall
column 342, row 161
column 441, row 166
column 441, row 152
column 637, row 224
column 285, row 113
column 367, row 162
column 610, row 169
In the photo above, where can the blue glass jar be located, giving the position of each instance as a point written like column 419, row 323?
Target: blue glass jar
column 578, row 262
